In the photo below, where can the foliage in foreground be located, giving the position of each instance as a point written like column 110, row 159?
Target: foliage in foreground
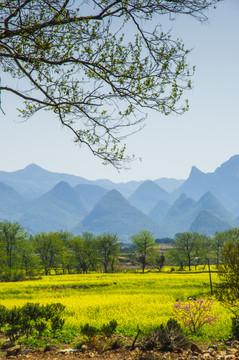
column 165, row 338
column 106, row 329
column 32, row 317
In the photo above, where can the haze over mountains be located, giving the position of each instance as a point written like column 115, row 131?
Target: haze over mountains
column 41, row 200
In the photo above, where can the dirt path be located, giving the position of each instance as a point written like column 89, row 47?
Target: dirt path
column 218, row 352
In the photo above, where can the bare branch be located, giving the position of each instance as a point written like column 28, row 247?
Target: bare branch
column 78, row 64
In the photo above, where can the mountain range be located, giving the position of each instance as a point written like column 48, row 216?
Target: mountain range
column 41, row 200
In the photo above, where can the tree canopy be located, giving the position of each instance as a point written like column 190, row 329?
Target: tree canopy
column 73, row 59
column 145, row 246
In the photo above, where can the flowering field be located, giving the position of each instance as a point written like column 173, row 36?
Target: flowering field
column 133, row 300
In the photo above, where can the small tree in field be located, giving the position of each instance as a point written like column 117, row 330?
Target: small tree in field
column 194, row 313
column 108, row 247
column 49, row 248
column 186, row 248
column 145, row 246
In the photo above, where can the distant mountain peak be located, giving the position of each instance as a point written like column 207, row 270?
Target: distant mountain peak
column 148, row 183
column 63, row 190
column 62, row 185
column 113, row 197
column 182, row 205
column 207, row 195
column 114, row 193
column 32, row 168
column 113, row 213
column 210, row 202
column 195, row 172
column 182, row 197
column 208, row 223
column 147, row 195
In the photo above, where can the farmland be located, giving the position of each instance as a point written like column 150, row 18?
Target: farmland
column 134, row 300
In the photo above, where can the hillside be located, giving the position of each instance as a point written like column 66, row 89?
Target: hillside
column 147, row 195
column 91, row 194
column 11, row 203
column 160, row 210
column 208, row 223
column 59, row 209
column 184, row 212
column 114, row 214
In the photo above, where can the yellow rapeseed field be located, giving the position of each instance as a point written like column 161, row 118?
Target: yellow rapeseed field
column 134, row 300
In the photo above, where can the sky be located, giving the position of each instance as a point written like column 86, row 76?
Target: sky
column 205, row 137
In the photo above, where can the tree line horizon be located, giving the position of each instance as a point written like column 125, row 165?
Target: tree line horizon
column 24, row 256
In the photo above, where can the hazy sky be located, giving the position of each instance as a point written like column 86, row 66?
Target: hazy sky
column 206, row 136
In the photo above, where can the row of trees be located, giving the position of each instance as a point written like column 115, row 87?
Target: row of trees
column 61, row 252
column 192, row 248
column 25, row 255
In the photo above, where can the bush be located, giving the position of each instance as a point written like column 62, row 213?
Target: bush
column 106, row 329
column 165, row 338
column 194, row 313
column 89, row 330
column 109, row 329
column 21, row 321
column 235, row 328
column 3, row 316
column 15, row 322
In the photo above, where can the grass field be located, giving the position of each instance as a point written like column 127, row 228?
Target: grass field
column 132, row 299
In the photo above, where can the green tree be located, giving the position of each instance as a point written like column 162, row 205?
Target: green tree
column 79, row 256
column 204, row 249
column 91, row 249
column 11, row 234
column 27, row 257
column 108, row 247
column 76, row 62
column 186, row 248
column 64, row 257
column 145, row 246
column 84, row 252
column 227, row 290
column 49, row 248
column 159, row 261
column 217, row 244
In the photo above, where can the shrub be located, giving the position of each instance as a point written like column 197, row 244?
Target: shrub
column 57, row 323
column 15, row 322
column 109, row 329
column 235, row 328
column 194, row 313
column 89, row 330
column 106, row 329
column 165, row 338
column 3, row 316
column 32, row 316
